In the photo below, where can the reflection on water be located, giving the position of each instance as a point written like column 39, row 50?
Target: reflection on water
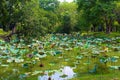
column 68, row 71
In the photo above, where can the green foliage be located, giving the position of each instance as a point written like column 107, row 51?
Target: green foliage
column 97, row 12
column 49, row 5
column 32, row 23
column 10, row 12
column 33, row 18
column 102, row 68
column 36, row 21
column 66, row 25
column 67, row 17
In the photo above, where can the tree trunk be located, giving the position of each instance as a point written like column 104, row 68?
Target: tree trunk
column 108, row 29
column 14, row 30
column 108, row 23
column 94, row 28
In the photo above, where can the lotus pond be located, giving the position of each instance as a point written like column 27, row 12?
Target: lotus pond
column 61, row 57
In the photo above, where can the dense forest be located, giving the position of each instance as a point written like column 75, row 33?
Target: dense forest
column 32, row 18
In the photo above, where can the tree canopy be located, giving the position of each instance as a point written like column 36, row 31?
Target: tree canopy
column 33, row 18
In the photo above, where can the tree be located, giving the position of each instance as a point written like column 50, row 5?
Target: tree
column 66, row 24
column 67, row 13
column 49, row 5
column 117, row 13
column 88, row 10
column 10, row 13
column 28, row 18
column 33, row 20
column 96, row 12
